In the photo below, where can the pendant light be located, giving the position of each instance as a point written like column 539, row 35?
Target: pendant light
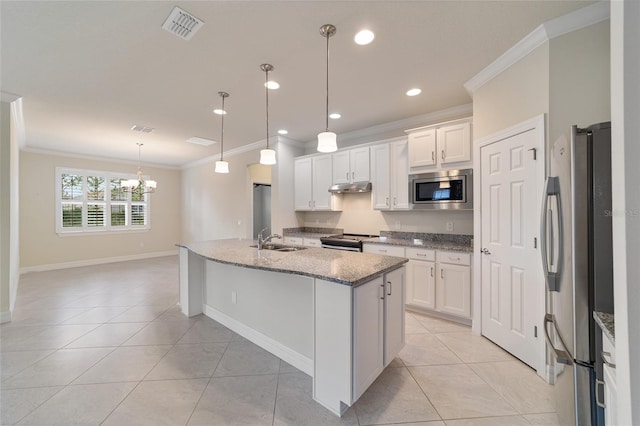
column 327, row 140
column 222, row 166
column 139, row 185
column 267, row 156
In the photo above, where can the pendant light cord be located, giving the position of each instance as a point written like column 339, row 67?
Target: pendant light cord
column 327, row 93
column 222, row 130
column 266, row 91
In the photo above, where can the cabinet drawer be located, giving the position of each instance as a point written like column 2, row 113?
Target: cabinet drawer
column 454, row 258
column 293, row 240
column 384, row 250
column 420, row 254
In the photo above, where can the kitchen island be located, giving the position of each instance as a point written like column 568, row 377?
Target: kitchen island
column 336, row 315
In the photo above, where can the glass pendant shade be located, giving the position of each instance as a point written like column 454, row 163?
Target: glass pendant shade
column 327, row 142
column 222, row 167
column 267, row 157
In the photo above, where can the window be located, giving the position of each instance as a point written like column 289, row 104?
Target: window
column 92, row 201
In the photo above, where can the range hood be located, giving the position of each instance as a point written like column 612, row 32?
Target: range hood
column 348, row 188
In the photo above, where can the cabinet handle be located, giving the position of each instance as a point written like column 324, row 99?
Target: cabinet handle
column 386, row 202
column 390, row 288
column 609, row 363
column 383, row 250
column 353, row 175
column 598, row 402
column 443, row 155
column 421, row 254
column 442, row 273
column 433, row 156
column 395, row 201
column 457, row 259
column 309, row 203
column 382, row 286
column 431, row 271
column 347, row 176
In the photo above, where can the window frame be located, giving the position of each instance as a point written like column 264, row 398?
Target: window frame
column 106, row 203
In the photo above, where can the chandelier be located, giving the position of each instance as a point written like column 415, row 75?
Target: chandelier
column 139, row 185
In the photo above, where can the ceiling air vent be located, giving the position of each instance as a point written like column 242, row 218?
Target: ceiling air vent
column 182, row 23
column 143, row 129
column 200, row 141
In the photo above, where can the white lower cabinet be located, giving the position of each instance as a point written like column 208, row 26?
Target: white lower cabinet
column 378, row 311
column 296, row 241
column 300, row 241
column 453, row 283
column 610, row 387
column 368, row 335
column 421, row 278
column 436, row 280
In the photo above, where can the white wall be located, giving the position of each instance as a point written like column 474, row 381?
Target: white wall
column 5, row 208
column 42, row 248
column 358, row 217
column 625, row 109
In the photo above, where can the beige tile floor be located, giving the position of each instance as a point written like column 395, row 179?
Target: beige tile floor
column 108, row 345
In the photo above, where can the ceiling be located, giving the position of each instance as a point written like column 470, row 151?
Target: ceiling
column 87, row 71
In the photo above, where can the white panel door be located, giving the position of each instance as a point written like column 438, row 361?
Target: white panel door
column 510, row 259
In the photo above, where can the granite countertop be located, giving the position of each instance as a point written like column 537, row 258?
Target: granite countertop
column 308, row 232
column 450, row 242
column 607, row 324
column 343, row 267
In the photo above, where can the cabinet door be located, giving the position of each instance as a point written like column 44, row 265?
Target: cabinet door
column 368, row 337
column 383, row 249
column 321, row 182
column 454, row 143
column 393, row 314
column 453, row 289
column 610, row 396
column 302, row 184
column 399, row 176
column 341, row 167
column 359, row 164
column 421, row 283
column 422, row 148
column 380, row 162
column 297, row 241
column 312, row 242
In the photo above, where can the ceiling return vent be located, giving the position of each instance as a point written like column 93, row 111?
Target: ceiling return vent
column 182, row 23
column 143, row 129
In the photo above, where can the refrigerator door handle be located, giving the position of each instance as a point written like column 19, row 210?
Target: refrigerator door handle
column 547, row 232
column 562, row 355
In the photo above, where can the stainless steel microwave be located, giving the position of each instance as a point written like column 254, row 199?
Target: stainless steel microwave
column 446, row 190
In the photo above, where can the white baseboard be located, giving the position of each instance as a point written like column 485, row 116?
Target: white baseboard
column 5, row 317
column 100, row 261
column 442, row 315
column 299, row 361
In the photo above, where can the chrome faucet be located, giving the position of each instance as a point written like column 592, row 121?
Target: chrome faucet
column 263, row 241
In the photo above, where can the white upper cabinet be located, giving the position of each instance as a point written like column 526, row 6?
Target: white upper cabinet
column 312, row 179
column 351, row 166
column 440, row 147
column 389, row 176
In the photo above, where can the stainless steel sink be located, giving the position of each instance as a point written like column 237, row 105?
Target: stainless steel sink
column 279, row 247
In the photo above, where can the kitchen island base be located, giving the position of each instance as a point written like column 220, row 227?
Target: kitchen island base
column 331, row 331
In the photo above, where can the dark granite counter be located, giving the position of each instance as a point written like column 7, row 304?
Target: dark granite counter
column 607, row 324
column 338, row 266
column 450, row 242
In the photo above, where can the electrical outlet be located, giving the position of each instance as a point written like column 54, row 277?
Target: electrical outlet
column 449, row 226
column 398, row 224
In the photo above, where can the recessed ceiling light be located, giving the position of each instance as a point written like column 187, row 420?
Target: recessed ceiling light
column 219, row 111
column 283, row 132
column 200, row 141
column 413, row 92
column 364, row 37
column 273, row 85
column 334, row 115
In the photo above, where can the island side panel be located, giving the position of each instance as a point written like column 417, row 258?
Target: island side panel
column 192, row 269
column 332, row 378
column 273, row 310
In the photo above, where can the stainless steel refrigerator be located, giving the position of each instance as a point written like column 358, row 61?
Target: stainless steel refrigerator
column 578, row 265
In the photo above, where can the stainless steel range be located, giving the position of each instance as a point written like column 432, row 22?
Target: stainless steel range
column 349, row 242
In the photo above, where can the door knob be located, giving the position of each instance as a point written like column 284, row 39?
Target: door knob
column 485, row 251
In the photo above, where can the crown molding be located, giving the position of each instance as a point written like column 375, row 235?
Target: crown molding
column 8, row 97
column 404, row 124
column 67, row 154
column 549, row 30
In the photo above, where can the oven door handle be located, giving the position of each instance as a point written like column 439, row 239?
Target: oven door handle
column 330, row 246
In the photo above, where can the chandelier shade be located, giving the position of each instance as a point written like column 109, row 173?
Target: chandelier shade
column 139, row 185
